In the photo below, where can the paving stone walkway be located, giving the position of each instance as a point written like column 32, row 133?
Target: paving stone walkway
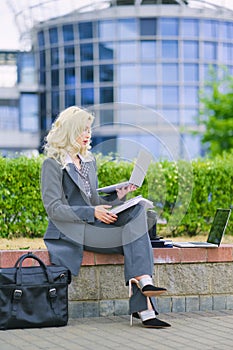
column 189, row 331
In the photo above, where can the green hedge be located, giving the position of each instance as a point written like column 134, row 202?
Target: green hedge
column 185, row 194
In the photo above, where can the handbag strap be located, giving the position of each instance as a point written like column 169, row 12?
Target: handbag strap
column 19, row 272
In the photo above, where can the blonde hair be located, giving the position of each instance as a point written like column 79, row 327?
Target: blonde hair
column 62, row 138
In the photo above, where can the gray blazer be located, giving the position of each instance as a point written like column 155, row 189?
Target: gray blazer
column 72, row 225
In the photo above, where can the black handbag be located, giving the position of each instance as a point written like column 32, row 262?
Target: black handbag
column 35, row 296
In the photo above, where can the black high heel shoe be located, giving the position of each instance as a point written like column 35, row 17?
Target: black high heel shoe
column 146, row 286
column 150, row 322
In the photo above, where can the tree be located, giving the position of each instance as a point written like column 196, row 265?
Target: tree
column 216, row 114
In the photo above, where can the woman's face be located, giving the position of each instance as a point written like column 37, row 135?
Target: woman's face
column 85, row 137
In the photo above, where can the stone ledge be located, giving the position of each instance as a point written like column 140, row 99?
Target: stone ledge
column 161, row 256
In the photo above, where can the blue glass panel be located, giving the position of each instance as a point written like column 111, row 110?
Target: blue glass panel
column 168, row 26
column 127, row 74
column 191, row 72
column 209, row 51
column 106, row 72
column 86, row 52
column 223, row 30
column 190, row 50
column 190, row 115
column 189, row 27
column 106, row 51
column 148, row 73
column 171, row 115
column 85, row 30
column 190, row 95
column 68, row 33
column 55, row 77
column 29, row 120
column 69, row 54
column 127, row 51
column 148, row 95
column 169, row 49
column 55, row 103
column 208, row 70
column 87, row 75
column 147, row 26
column 148, row 50
column 170, row 95
column 126, row 28
column 226, row 53
column 70, row 76
column 53, row 36
column 40, row 37
column 209, row 28
column 107, row 30
column 42, row 77
column 87, row 96
column 128, row 94
column 106, row 94
column 170, row 72
column 54, row 56
column 42, row 59
column 69, row 98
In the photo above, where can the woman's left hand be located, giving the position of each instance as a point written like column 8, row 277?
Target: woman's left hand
column 122, row 192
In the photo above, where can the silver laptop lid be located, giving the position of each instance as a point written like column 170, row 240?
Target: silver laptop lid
column 218, row 226
column 140, row 168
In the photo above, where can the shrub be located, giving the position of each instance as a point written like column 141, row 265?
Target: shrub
column 185, row 194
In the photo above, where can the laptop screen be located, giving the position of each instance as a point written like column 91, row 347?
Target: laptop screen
column 218, row 226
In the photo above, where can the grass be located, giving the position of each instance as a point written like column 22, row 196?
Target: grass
column 38, row 243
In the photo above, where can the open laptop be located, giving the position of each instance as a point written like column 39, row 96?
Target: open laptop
column 137, row 176
column 216, row 233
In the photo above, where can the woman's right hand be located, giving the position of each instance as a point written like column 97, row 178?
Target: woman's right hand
column 102, row 214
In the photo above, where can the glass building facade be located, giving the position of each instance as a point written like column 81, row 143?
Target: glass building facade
column 155, row 58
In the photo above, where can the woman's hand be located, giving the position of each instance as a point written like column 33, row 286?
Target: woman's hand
column 102, row 214
column 122, row 192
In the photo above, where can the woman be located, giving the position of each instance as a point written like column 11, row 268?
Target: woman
column 80, row 219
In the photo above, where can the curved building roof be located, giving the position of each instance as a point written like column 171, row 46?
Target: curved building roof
column 31, row 12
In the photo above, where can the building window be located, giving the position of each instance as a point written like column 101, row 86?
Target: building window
column 42, row 59
column 148, row 74
column 148, row 50
column 171, row 115
column 70, row 76
column 147, row 26
column 209, row 29
column 127, row 74
column 128, row 94
column 126, row 28
column 68, row 33
column 29, row 112
column 85, row 30
column 69, row 98
column 189, row 28
column 107, row 30
column 87, row 75
column 53, row 36
column 87, row 96
column 54, row 56
column 127, row 51
column 148, row 95
column 55, row 77
column 170, row 95
column 170, row 72
column 168, row 27
column 55, row 104
column 106, row 94
column 106, row 72
column 106, row 51
column 169, row 49
column 69, row 54
column 209, row 51
column 41, row 40
column 191, row 72
column 86, row 52
column 190, row 50
column 190, row 95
